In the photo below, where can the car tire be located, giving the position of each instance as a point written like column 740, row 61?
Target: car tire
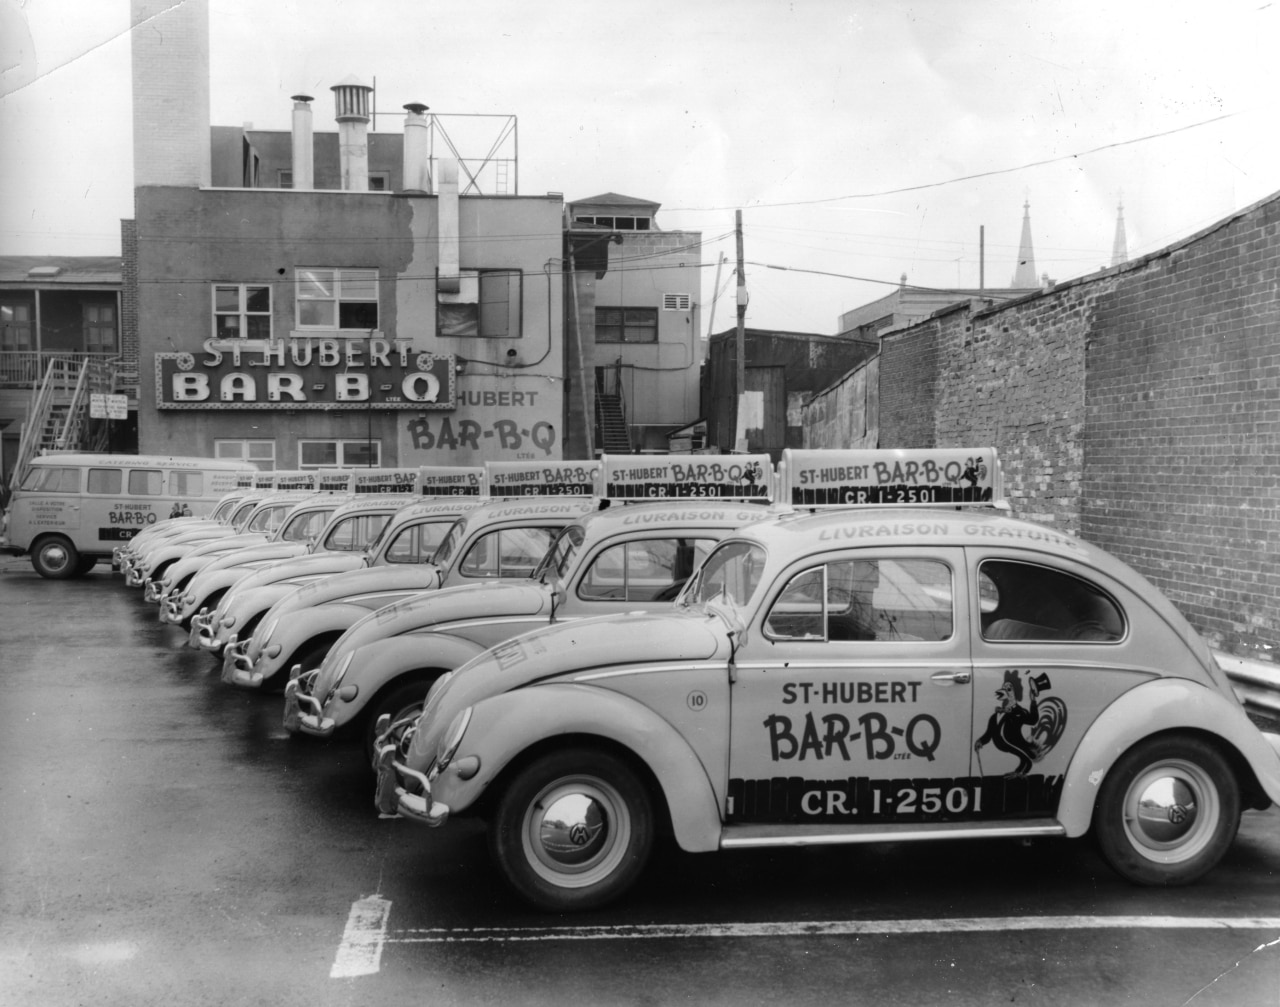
column 310, row 656
column 401, row 701
column 1167, row 811
column 573, row 830
column 55, row 558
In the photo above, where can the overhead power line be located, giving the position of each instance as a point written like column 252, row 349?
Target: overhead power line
column 959, row 178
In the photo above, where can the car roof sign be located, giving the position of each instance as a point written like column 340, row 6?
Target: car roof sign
column 893, row 477
column 545, row 478
column 677, row 477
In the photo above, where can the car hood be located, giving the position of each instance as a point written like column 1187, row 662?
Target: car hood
column 257, row 554
column 402, row 577
column 563, row 650
column 310, row 565
column 432, row 608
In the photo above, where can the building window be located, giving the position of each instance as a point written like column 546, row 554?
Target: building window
column 341, row 454
column 626, row 325
column 617, row 223
column 259, row 452
column 379, row 181
column 676, row 302
column 284, row 178
column 15, row 326
column 100, row 328
column 487, row 305
column 241, row 311
column 337, row 299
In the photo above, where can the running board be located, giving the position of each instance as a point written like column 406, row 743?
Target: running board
column 747, row 836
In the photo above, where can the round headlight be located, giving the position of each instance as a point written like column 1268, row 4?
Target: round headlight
column 452, row 738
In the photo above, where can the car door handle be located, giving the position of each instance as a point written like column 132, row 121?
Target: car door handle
column 962, row 677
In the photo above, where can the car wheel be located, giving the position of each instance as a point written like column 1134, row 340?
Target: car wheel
column 573, row 830
column 1167, row 812
column 403, row 701
column 309, row 656
column 55, row 558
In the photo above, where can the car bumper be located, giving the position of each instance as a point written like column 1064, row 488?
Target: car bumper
column 303, row 713
column 394, row 798
column 150, row 590
column 237, row 669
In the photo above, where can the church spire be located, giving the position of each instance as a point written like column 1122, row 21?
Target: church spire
column 1120, row 246
column 1025, row 275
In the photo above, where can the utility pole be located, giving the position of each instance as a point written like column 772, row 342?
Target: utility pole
column 740, row 345
column 982, row 259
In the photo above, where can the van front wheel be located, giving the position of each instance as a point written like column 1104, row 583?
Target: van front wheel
column 55, row 558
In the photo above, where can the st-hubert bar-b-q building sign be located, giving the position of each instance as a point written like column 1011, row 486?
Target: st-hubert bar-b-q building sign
column 305, row 374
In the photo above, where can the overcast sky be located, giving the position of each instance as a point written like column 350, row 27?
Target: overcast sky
column 864, row 138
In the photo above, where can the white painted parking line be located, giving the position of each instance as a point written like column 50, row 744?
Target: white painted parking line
column 360, row 953
column 837, row 928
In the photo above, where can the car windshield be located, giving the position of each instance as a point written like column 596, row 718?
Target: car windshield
column 354, row 533
column 450, row 545
column 730, row 576
column 223, row 510
column 559, row 558
column 306, row 525
column 242, row 515
column 267, row 520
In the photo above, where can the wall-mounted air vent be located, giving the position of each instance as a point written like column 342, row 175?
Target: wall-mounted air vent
column 676, row 302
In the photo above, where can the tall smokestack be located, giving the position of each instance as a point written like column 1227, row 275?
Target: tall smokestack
column 304, row 174
column 417, row 150
column 352, row 101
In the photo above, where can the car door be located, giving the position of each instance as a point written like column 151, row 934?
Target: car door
column 1052, row 648
column 851, row 700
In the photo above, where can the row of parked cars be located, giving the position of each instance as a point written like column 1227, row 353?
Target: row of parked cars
column 856, row 646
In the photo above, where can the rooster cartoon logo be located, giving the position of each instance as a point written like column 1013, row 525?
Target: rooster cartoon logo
column 1025, row 732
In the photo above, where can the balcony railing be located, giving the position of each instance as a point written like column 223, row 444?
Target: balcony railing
column 26, row 368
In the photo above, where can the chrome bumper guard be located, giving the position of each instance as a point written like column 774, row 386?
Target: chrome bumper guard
column 393, row 799
column 237, row 669
column 171, row 608
column 151, row 592
column 297, row 694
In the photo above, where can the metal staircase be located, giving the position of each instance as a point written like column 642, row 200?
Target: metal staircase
column 613, row 435
column 58, row 419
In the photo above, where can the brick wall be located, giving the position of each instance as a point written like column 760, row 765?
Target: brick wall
column 908, row 386
column 1183, row 428
column 129, row 295
column 170, row 66
column 1138, row 407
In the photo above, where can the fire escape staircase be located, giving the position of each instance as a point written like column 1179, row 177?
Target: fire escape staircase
column 58, row 418
column 613, row 435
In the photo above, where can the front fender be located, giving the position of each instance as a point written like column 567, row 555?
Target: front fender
column 298, row 628
column 382, row 661
column 505, row 726
column 1165, row 704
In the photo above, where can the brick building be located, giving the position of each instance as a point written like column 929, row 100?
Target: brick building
column 1138, row 407
column 314, row 297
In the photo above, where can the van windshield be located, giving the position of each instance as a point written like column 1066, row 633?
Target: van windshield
column 51, row 479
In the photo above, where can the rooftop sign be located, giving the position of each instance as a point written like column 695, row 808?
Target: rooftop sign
column 679, row 477
column 549, row 478
column 890, row 477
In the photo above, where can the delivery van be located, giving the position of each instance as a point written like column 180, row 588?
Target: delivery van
column 72, row 509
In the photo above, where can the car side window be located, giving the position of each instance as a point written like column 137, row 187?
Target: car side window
column 106, row 481
column 1026, row 602
column 876, row 599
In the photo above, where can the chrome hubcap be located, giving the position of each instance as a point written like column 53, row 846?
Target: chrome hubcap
column 1170, row 811
column 576, row 832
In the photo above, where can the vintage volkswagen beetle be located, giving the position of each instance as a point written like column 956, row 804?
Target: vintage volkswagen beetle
column 300, row 626
column 882, row 674
column 303, row 624
column 340, row 546
column 633, row 556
